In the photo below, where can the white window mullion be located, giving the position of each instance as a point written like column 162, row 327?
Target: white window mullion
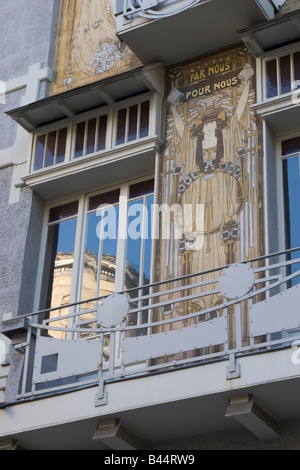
column 85, row 138
column 278, row 76
column 122, row 238
column 45, row 150
column 70, row 142
column 127, row 124
column 142, row 257
column 293, row 78
column 76, row 275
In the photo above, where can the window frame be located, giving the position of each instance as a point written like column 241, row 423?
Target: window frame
column 80, row 235
column 277, row 54
column 282, row 230
column 112, row 114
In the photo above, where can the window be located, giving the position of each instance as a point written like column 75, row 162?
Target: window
column 99, row 133
column 90, row 136
column 291, row 188
column 133, row 123
column 98, row 245
column 282, row 75
column 50, row 149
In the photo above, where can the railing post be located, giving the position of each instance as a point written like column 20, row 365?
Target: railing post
column 238, row 325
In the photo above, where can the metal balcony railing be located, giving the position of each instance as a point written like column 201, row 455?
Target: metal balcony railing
column 153, row 9
column 245, row 308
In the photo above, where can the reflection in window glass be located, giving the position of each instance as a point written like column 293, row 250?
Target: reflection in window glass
column 102, row 127
column 90, row 144
column 61, row 239
column 97, row 264
column 100, row 255
column 50, row 151
column 297, row 69
column 138, row 256
column 144, row 126
column 39, row 153
column 121, row 127
column 285, row 74
column 132, row 128
column 291, row 146
column 272, row 86
column 61, row 145
column 64, row 211
column 291, row 180
column 292, row 193
column 79, row 139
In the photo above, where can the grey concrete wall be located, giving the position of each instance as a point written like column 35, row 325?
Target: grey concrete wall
column 27, row 28
column 27, row 31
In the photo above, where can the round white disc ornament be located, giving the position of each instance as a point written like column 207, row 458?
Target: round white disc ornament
column 236, row 281
column 113, row 310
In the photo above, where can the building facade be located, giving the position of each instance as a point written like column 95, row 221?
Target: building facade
column 149, row 259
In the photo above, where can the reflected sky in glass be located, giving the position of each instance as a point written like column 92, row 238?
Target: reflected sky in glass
column 66, row 238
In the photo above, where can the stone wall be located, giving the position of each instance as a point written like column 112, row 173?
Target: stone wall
column 27, row 30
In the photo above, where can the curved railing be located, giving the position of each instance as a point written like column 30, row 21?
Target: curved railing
column 221, row 314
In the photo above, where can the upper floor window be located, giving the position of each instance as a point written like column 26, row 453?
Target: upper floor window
column 282, row 75
column 99, row 132
column 50, row 149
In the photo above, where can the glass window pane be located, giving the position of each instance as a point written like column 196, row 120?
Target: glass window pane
column 64, row 211
column 61, row 238
column 285, row 74
column 90, row 268
column 290, row 146
column 272, row 87
column 121, row 128
column 134, row 236
column 50, row 152
column 39, row 154
column 297, row 69
column 291, row 179
column 144, row 125
column 109, row 239
column 90, row 145
column 102, row 133
column 79, row 139
column 106, row 198
column 140, row 189
column 61, row 145
column 132, row 130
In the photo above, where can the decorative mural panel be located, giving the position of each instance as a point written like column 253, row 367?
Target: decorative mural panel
column 87, row 48
column 211, row 173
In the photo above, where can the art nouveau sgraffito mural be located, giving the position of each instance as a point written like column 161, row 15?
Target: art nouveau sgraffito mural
column 211, row 173
column 87, row 48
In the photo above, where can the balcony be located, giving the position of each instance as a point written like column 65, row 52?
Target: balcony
column 130, row 357
column 194, row 27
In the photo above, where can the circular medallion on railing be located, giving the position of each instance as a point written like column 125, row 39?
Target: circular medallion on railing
column 113, row 310
column 236, row 281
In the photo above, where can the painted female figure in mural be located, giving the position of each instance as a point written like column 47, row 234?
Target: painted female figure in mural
column 87, row 48
column 95, row 46
column 210, row 171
